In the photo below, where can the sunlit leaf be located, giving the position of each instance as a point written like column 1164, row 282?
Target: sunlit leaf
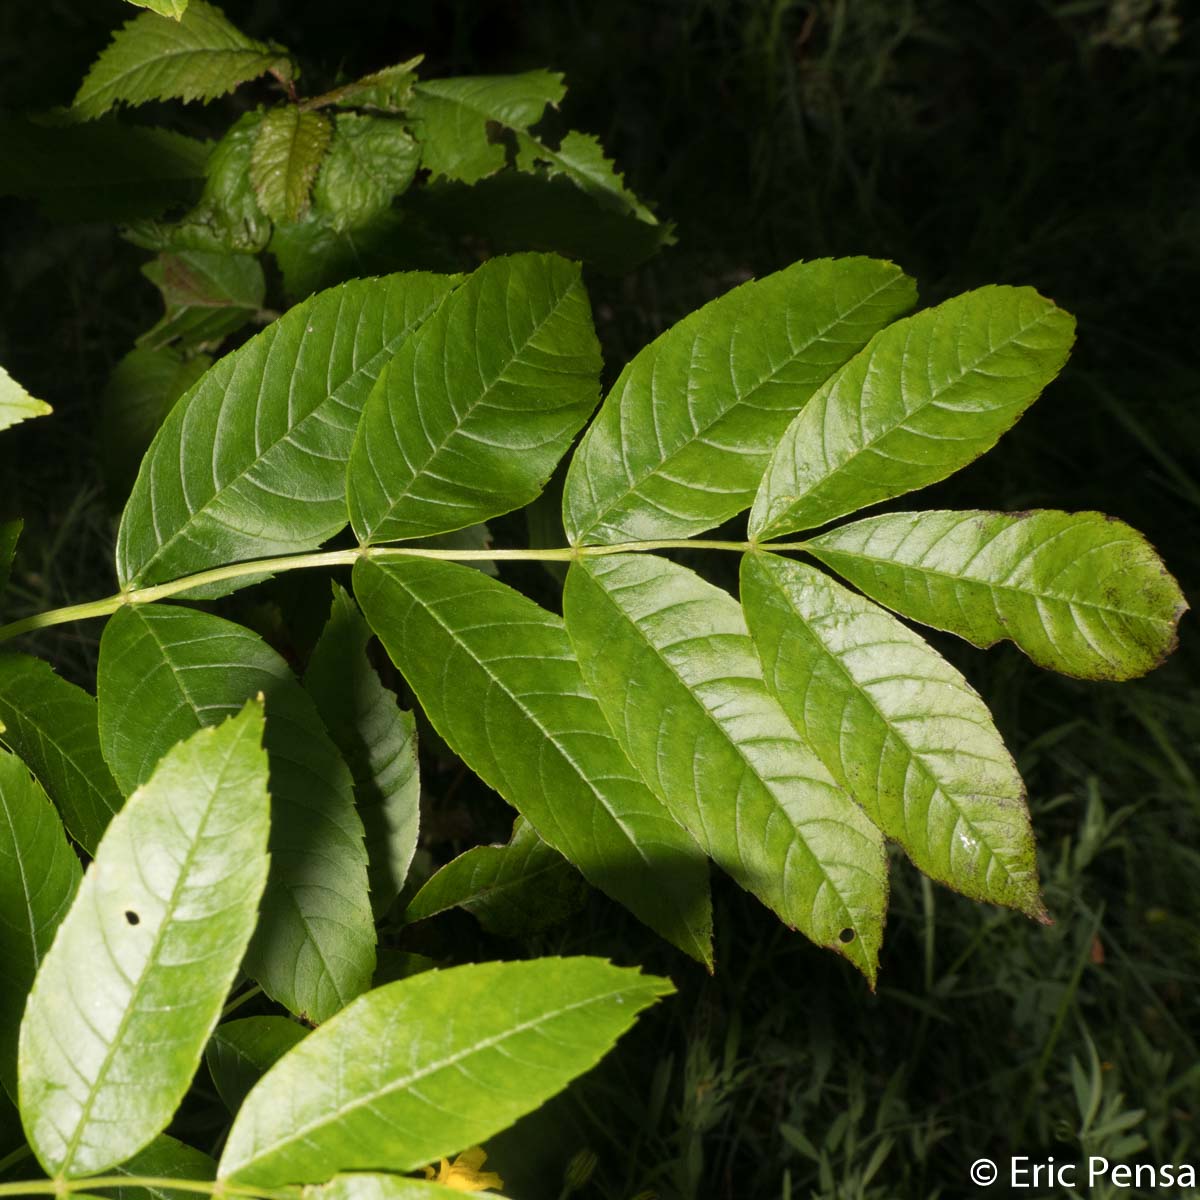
column 16, row 404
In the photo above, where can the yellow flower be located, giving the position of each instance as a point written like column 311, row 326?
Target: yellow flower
column 463, row 1174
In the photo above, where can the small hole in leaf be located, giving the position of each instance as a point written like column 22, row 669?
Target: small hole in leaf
column 131, row 916
column 846, row 936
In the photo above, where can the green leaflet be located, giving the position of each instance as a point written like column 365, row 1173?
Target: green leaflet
column 38, row 877
column 1080, row 593
column 581, row 158
column 898, row 727
column 10, row 533
column 371, row 160
column 239, row 1053
column 684, row 435
column 451, row 118
column 198, row 57
column 474, row 412
column 164, row 1158
column 207, row 295
column 16, row 404
column 378, row 740
column 389, row 90
column 286, row 157
column 512, row 890
column 421, row 1068
column 670, row 660
column 165, row 672
column 134, row 982
column 51, row 724
column 499, row 682
column 928, row 395
column 251, row 461
column 360, row 1185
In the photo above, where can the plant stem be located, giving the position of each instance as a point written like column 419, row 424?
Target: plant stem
column 205, row 1187
column 345, row 558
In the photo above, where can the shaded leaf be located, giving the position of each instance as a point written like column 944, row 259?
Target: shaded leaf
column 134, row 982
column 165, row 672
column 39, row 873
column 389, row 90
column 10, row 533
column 684, row 435
column 499, row 682
column 286, row 157
column 420, row 1068
column 239, row 1053
column 898, row 727
column 378, row 740
column 164, row 8
column 471, row 416
column 251, row 461
column 51, row 724
column 1079, row 593
column 164, row 1158
column 198, row 57
column 512, row 890
column 207, row 295
column 580, row 157
column 671, row 662
column 928, row 395
column 371, row 160
column 16, row 404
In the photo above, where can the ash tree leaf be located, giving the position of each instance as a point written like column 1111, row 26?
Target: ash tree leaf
column 670, row 660
column 683, row 437
column 251, row 461
column 1081, row 593
column 581, row 158
column 241, row 1052
column 927, row 395
column 198, row 57
column 453, row 118
column 16, row 404
column 133, row 984
column 165, row 672
column 498, row 680
column 473, row 413
column 287, row 154
column 512, row 890
column 370, row 160
column 378, row 740
column 898, row 727
column 39, row 873
column 421, row 1068
column 165, row 1158
column 51, row 724
column 389, row 90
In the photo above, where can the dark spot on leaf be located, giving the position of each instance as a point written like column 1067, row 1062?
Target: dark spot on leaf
column 846, row 936
column 131, row 916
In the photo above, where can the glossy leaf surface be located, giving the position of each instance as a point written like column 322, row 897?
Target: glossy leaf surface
column 135, row 979
column 898, row 727
column 251, row 461
column 671, row 662
column 164, row 673
column 378, row 740
column 39, row 873
column 240, row 1053
column 51, row 724
column 287, row 155
column 421, row 1068
column 476, row 409
column 684, row 435
column 1079, row 593
column 928, row 395
column 500, row 683
column 16, row 404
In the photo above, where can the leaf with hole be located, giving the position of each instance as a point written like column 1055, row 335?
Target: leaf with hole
column 133, row 985
column 670, row 660
column 421, row 1068
column 928, row 395
column 240, row 1053
column 164, row 673
column 1080, row 593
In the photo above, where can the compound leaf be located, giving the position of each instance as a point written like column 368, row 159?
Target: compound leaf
column 251, row 461
column 39, row 873
column 133, row 984
column 51, row 724
column 1080, row 593
column 474, row 412
column 671, row 662
column 898, row 727
column 499, row 682
column 684, row 435
column 165, row 672
column 16, row 404
column 371, row 160
column 378, row 740
column 287, row 154
column 420, row 1068
column 198, row 57
column 240, row 1053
